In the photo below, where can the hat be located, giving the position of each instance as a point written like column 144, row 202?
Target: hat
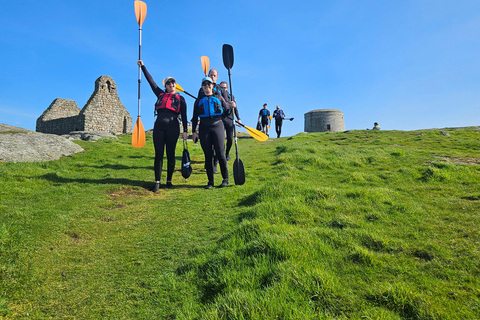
column 168, row 79
column 207, row 79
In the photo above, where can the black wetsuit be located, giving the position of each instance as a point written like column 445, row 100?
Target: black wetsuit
column 166, row 129
column 265, row 117
column 229, row 125
column 278, row 115
column 211, row 133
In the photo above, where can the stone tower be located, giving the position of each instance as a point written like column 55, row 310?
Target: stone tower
column 59, row 118
column 322, row 120
column 104, row 111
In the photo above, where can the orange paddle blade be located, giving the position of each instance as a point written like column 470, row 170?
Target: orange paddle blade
column 205, row 64
column 138, row 134
column 140, row 11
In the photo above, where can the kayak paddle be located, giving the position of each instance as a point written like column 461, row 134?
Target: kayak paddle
column 205, row 64
column 138, row 134
column 238, row 168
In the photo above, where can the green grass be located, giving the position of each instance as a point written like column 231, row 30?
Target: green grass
column 356, row 225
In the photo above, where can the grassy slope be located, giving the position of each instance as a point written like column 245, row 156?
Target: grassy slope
column 379, row 225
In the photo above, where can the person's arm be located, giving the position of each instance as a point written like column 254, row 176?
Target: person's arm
column 183, row 113
column 195, row 116
column 155, row 88
column 225, row 105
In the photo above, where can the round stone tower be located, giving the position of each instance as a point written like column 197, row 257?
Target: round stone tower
column 322, row 120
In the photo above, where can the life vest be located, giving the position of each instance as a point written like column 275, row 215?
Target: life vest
column 168, row 101
column 279, row 114
column 209, row 107
column 264, row 112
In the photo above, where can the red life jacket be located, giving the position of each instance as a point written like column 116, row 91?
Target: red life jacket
column 169, row 101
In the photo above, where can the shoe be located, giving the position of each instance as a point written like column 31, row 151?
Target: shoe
column 156, row 187
column 209, row 185
column 215, row 170
column 169, row 184
column 228, row 157
column 224, row 183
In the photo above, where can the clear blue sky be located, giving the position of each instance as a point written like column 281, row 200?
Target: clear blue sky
column 405, row 64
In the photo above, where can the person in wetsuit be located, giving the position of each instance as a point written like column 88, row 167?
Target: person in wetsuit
column 279, row 116
column 210, row 108
column 228, row 122
column 264, row 115
column 166, row 130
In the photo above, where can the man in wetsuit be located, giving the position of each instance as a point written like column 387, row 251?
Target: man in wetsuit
column 228, row 121
column 264, row 115
column 279, row 116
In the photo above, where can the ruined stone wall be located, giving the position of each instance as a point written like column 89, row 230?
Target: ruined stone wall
column 59, row 118
column 104, row 111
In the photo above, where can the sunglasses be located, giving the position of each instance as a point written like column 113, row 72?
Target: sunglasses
column 169, row 83
column 205, row 84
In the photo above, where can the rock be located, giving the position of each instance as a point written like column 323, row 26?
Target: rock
column 90, row 135
column 445, row 133
column 6, row 128
column 35, row 147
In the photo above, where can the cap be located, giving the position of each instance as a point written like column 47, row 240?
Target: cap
column 207, row 79
column 168, row 79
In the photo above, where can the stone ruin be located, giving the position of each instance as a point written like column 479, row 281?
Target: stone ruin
column 103, row 112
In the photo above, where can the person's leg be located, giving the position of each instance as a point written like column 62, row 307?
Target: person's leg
column 171, row 138
column 229, row 127
column 206, row 143
column 159, row 146
column 218, row 138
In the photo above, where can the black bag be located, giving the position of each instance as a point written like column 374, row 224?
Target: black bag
column 186, row 167
column 259, row 126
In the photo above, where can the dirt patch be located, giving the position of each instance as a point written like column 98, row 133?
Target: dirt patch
column 472, row 161
column 128, row 191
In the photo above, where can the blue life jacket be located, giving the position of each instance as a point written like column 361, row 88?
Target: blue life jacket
column 264, row 112
column 279, row 114
column 209, row 107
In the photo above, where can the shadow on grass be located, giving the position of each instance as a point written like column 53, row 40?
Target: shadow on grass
column 53, row 177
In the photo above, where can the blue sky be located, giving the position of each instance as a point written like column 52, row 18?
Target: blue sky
column 405, row 64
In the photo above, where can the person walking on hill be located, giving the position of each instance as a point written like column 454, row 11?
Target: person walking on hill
column 228, row 120
column 264, row 115
column 279, row 116
column 210, row 109
column 166, row 130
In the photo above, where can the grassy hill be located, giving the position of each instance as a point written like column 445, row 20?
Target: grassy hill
column 355, row 225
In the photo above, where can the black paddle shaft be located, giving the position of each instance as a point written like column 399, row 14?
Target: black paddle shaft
column 238, row 168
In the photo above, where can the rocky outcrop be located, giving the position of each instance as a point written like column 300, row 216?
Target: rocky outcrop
column 36, row 147
column 90, row 135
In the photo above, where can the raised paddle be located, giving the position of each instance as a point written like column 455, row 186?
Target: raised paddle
column 138, row 134
column 205, row 64
column 238, row 168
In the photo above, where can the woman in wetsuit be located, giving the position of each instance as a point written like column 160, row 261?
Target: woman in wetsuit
column 210, row 108
column 166, row 129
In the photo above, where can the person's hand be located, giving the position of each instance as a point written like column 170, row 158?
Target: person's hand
column 140, row 63
column 195, row 137
column 239, row 121
column 185, row 136
column 233, row 104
